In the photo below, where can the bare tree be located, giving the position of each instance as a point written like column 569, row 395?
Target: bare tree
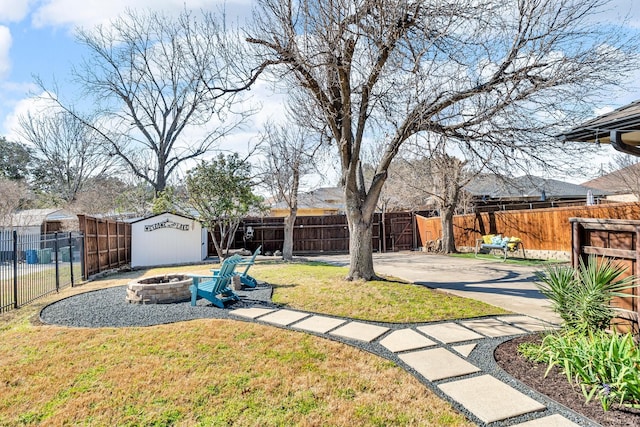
column 65, row 153
column 164, row 88
column 289, row 152
column 624, row 175
column 13, row 194
column 433, row 178
column 112, row 197
column 448, row 180
column 490, row 73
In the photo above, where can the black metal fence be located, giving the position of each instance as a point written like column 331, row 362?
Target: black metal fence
column 34, row 265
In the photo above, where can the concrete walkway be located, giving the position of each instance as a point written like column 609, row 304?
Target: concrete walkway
column 451, row 358
column 446, row 356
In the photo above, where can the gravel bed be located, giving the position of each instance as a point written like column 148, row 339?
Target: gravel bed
column 107, row 308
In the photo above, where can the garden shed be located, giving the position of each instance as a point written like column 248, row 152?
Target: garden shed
column 167, row 239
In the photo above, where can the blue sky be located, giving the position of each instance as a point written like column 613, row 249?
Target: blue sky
column 36, row 38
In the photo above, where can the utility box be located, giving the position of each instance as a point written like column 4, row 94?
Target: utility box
column 32, row 256
column 44, row 256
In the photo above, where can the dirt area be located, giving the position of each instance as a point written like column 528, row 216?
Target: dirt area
column 556, row 386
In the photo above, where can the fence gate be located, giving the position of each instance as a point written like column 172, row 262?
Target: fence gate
column 401, row 235
column 619, row 241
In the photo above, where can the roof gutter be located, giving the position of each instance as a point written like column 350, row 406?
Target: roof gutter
column 616, row 141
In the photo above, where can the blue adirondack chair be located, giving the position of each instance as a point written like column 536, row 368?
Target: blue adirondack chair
column 216, row 289
column 245, row 279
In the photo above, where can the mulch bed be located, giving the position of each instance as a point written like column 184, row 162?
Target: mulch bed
column 556, row 386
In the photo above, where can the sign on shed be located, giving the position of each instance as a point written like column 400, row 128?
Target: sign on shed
column 167, row 239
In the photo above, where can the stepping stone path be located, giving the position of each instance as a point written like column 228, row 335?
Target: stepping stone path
column 438, row 354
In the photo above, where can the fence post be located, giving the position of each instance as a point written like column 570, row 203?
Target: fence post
column 71, row 257
column 55, row 249
column 83, row 256
column 15, row 269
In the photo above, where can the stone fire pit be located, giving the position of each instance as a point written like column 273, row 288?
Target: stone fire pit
column 161, row 289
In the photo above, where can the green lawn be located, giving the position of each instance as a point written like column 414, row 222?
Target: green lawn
column 225, row 372
column 322, row 288
column 514, row 260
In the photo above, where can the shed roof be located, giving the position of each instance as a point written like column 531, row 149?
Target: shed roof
column 165, row 213
column 35, row 217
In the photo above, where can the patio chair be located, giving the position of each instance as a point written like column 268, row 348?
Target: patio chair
column 216, row 289
column 245, row 279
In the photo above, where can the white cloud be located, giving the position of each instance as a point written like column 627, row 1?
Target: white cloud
column 5, row 47
column 13, row 10
column 87, row 13
column 33, row 105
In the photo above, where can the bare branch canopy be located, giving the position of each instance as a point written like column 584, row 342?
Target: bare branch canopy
column 501, row 74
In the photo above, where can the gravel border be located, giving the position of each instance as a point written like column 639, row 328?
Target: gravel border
column 108, row 308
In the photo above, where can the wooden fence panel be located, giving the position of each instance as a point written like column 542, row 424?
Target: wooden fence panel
column 540, row 229
column 107, row 244
column 328, row 233
column 616, row 239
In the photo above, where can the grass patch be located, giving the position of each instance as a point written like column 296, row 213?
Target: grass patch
column 322, row 288
column 517, row 261
column 202, row 373
column 223, row 372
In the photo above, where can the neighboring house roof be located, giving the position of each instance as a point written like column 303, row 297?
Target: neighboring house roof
column 327, row 198
column 35, row 217
column 619, row 181
column 526, row 187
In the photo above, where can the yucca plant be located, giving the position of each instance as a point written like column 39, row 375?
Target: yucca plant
column 558, row 284
column 582, row 297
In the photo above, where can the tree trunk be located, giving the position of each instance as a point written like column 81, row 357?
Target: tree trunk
column 216, row 244
column 161, row 179
column 287, row 245
column 448, row 240
column 231, row 228
column 360, row 252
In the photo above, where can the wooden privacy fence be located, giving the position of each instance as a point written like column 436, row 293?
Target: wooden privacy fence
column 107, row 244
column 540, row 229
column 617, row 239
column 329, row 233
